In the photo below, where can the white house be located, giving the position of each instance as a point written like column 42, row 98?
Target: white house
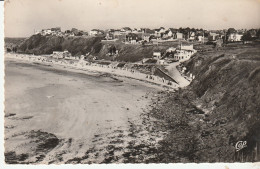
column 192, row 36
column 126, row 30
column 235, row 37
column 161, row 30
column 133, row 41
column 134, row 30
column 157, row 55
column 60, row 55
column 46, row 32
column 213, row 36
column 184, row 52
column 171, row 32
column 158, row 32
column 93, row 32
column 146, row 38
column 38, row 32
column 178, row 35
column 200, row 38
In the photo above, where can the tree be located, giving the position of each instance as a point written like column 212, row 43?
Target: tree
column 258, row 34
column 231, row 30
column 180, row 30
column 247, row 37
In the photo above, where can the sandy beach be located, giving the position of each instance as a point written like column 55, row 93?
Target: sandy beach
column 57, row 116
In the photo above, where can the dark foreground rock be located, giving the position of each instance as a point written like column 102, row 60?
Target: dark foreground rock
column 218, row 109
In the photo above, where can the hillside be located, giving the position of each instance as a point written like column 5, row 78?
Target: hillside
column 38, row 44
column 11, row 43
column 218, row 109
column 14, row 41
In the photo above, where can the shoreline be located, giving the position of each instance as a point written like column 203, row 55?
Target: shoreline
column 90, row 118
column 81, row 65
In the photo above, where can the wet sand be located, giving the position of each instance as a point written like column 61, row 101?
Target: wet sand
column 59, row 116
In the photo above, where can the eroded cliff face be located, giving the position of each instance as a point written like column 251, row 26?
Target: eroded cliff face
column 218, row 109
column 91, row 46
column 227, row 82
column 38, row 44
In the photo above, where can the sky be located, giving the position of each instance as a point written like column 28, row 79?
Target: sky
column 22, row 17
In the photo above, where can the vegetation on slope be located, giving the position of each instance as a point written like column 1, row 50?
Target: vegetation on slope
column 218, row 109
column 38, row 44
column 89, row 46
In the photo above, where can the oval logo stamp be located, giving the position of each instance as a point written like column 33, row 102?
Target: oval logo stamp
column 240, row 145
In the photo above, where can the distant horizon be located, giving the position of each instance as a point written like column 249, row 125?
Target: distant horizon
column 129, row 27
column 22, row 17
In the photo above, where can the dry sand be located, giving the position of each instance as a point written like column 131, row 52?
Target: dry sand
column 59, row 116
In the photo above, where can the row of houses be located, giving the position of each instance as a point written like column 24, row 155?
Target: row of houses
column 50, row 31
column 137, row 36
column 232, row 37
column 73, row 32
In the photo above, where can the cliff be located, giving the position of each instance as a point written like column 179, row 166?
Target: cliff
column 218, row 109
column 38, row 45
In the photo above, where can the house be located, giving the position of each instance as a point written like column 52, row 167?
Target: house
column 199, row 38
column 60, row 55
column 165, row 34
column 141, row 30
column 67, row 32
column 146, row 38
column 95, row 32
column 46, row 32
column 160, row 61
column 178, row 35
column 132, row 36
column 109, row 36
column 157, row 55
column 234, row 37
column 126, row 30
column 192, row 36
column 60, row 34
column 133, row 41
column 134, row 30
column 213, row 36
column 37, row 32
column 162, row 30
column 184, row 52
column 159, row 32
column 171, row 32
column 74, row 31
column 114, row 32
column 117, row 32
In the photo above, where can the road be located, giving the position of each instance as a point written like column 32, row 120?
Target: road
column 175, row 74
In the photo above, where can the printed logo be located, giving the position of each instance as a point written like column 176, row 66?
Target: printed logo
column 240, row 145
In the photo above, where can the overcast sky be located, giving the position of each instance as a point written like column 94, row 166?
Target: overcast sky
column 23, row 16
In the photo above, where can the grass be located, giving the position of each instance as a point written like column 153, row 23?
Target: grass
column 227, row 89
